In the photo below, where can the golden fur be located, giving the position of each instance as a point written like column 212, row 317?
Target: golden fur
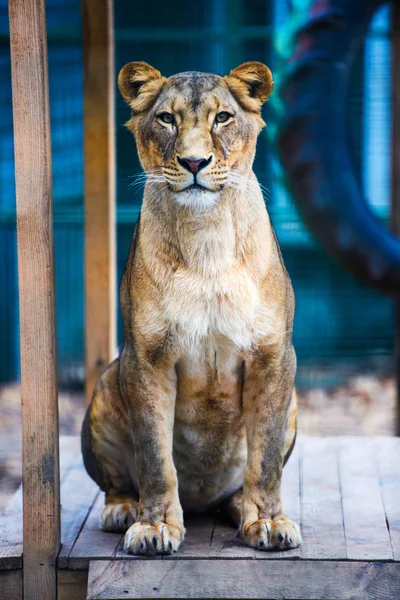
column 201, row 396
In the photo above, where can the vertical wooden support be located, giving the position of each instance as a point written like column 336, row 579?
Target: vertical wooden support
column 395, row 217
column 41, row 486
column 100, row 288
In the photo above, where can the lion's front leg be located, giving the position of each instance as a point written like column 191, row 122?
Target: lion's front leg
column 150, row 393
column 266, row 395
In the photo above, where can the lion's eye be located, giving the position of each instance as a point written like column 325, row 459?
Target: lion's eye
column 166, row 117
column 222, row 117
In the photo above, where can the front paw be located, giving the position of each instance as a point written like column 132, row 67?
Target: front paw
column 142, row 538
column 268, row 534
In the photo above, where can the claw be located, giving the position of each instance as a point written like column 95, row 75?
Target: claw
column 267, row 530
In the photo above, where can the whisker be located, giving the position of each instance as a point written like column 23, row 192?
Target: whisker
column 144, row 178
column 241, row 181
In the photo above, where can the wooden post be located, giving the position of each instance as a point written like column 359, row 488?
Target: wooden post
column 395, row 216
column 100, row 287
column 40, row 468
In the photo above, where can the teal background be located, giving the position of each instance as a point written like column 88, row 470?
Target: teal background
column 340, row 325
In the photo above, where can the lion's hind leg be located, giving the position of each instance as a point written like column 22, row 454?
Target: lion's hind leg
column 119, row 512
column 268, row 534
column 231, row 509
column 264, row 534
column 108, row 452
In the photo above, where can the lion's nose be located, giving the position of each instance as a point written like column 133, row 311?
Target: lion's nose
column 194, row 165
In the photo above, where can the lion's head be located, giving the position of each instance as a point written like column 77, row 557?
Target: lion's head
column 196, row 132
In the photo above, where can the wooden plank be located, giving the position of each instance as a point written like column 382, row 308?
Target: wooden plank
column 92, row 542
column 41, row 492
column 70, row 451
column 226, row 544
column 11, row 521
column 274, row 579
column 72, row 585
column 388, row 456
column 78, row 494
column 11, row 585
column 366, row 533
column 11, row 537
column 321, row 505
column 395, row 187
column 197, row 542
column 99, row 132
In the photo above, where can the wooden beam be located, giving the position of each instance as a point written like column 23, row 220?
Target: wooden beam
column 40, row 469
column 72, row 585
column 243, row 579
column 100, row 287
column 11, row 584
column 395, row 216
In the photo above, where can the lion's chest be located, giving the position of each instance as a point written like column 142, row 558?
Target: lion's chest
column 212, row 292
column 227, row 304
column 198, row 306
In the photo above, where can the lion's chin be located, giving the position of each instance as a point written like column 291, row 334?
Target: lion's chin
column 198, row 199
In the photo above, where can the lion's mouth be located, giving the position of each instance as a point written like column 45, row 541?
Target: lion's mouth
column 196, row 187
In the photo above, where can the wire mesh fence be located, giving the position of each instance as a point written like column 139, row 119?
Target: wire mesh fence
column 340, row 325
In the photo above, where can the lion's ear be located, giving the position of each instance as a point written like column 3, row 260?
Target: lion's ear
column 139, row 84
column 251, row 83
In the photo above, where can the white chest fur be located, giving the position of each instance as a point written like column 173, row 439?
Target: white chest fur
column 213, row 293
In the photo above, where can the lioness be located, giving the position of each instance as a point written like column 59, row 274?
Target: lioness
column 198, row 411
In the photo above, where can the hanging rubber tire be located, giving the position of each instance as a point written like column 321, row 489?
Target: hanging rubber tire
column 313, row 144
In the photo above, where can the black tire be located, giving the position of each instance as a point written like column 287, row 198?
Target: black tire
column 313, row 145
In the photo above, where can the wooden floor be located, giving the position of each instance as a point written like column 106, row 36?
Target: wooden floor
column 345, row 492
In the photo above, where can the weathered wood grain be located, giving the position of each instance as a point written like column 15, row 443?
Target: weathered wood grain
column 387, row 451
column 321, row 507
column 78, row 493
column 273, row 579
column 366, row 533
column 11, row 534
column 197, row 542
column 226, row 544
column 72, row 585
column 11, row 520
column 99, row 134
column 41, row 492
column 92, row 521
column 92, row 542
column 70, row 452
column 216, row 541
column 11, row 585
